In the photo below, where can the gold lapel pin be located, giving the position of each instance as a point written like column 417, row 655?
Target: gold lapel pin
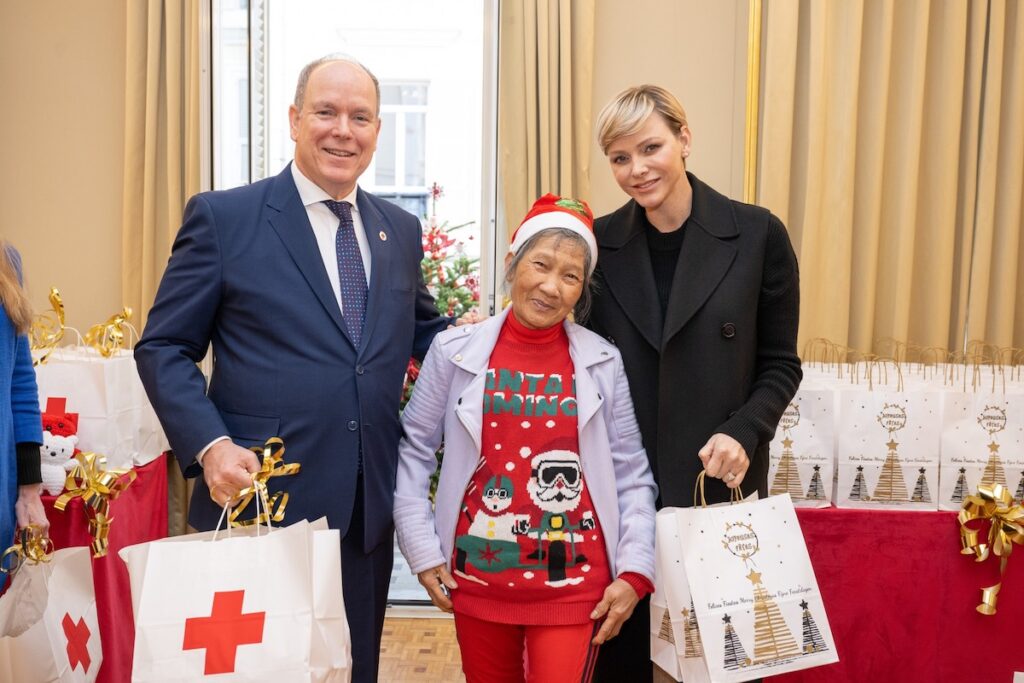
column 383, row 236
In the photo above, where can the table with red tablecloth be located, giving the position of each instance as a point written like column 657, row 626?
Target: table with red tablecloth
column 901, row 600
column 139, row 514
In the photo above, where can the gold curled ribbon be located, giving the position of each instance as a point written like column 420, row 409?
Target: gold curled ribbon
column 272, row 466
column 47, row 329
column 32, row 546
column 96, row 487
column 1006, row 528
column 109, row 336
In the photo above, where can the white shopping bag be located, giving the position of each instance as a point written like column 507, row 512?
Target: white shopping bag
column 757, row 601
column 248, row 607
column 676, row 644
column 981, row 444
column 48, row 626
column 888, row 449
column 115, row 417
column 802, row 454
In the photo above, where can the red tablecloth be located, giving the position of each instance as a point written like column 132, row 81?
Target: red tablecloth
column 900, row 600
column 139, row 514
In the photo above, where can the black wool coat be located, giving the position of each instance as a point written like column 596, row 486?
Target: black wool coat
column 724, row 359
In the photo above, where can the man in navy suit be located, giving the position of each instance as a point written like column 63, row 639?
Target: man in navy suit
column 302, row 349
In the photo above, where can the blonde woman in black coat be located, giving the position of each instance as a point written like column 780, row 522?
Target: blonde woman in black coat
column 701, row 295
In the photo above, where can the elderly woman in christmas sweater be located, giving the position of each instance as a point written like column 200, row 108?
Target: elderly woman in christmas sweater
column 542, row 537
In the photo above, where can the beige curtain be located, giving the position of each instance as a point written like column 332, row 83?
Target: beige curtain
column 161, row 159
column 545, row 76
column 996, row 312
column 891, row 147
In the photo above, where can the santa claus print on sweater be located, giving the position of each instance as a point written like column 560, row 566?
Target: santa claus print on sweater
column 528, row 545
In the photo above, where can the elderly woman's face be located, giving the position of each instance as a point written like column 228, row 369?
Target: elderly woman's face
column 547, row 282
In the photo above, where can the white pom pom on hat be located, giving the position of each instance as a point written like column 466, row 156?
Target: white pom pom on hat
column 552, row 211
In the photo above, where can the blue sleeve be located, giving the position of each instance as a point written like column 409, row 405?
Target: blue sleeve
column 177, row 336
column 25, row 396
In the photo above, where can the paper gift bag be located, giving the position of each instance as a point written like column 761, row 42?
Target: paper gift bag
column 115, row 417
column 48, row 626
column 676, row 644
column 802, row 454
column 248, row 607
column 757, row 601
column 888, row 449
column 982, row 443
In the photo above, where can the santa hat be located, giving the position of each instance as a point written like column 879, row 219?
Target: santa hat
column 552, row 211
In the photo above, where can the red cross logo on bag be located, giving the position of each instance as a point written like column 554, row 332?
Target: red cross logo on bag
column 78, row 641
column 221, row 633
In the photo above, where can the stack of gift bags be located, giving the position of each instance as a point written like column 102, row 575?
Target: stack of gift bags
column 877, row 433
column 736, row 597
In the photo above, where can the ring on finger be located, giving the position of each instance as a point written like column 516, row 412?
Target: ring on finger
column 730, row 476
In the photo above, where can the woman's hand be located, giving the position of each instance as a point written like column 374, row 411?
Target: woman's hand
column 436, row 580
column 29, row 507
column 618, row 603
column 725, row 459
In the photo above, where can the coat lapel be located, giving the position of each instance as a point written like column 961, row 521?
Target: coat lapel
column 625, row 266
column 585, row 354
column 474, row 357
column 289, row 220
column 705, row 257
column 381, row 248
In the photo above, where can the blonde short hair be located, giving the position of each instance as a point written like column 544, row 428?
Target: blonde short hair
column 628, row 111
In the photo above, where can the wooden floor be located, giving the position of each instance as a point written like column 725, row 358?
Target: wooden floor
column 419, row 651
column 425, row 651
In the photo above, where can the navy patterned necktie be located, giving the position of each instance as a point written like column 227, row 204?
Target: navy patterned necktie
column 351, row 273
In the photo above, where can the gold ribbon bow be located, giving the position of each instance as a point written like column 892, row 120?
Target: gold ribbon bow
column 96, row 487
column 1006, row 528
column 108, row 337
column 47, row 329
column 272, row 452
column 32, row 546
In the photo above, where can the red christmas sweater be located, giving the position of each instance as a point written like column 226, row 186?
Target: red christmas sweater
column 528, row 544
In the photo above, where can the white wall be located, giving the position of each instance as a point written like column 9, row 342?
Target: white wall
column 61, row 150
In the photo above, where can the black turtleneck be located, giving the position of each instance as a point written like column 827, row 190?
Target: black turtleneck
column 664, row 248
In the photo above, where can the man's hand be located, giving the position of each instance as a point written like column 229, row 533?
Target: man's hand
column 468, row 318
column 29, row 508
column 435, row 580
column 226, row 470
column 618, row 603
column 725, row 459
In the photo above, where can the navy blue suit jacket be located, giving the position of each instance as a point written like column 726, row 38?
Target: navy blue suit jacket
column 245, row 273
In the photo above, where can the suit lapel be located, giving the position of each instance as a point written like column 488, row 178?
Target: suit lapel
column 625, row 265
column 381, row 248
column 289, row 220
column 705, row 257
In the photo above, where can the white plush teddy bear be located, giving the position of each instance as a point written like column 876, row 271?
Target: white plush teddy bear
column 57, row 455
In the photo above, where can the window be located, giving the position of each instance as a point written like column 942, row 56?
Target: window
column 436, row 63
column 399, row 166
